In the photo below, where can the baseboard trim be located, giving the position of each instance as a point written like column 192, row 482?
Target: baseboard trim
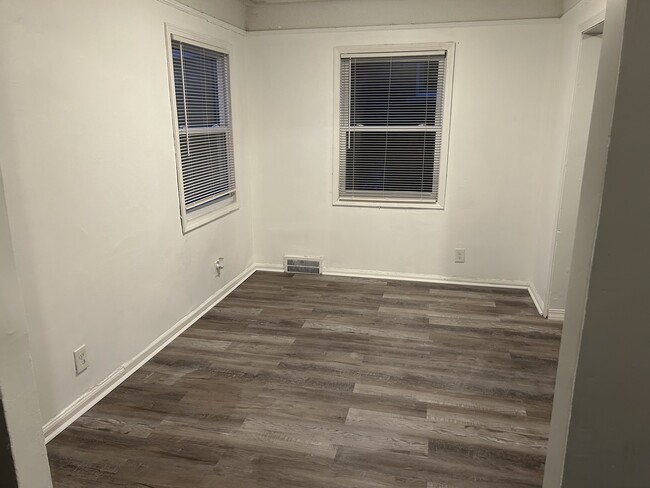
column 273, row 268
column 537, row 299
column 112, row 381
column 556, row 314
column 425, row 278
column 419, row 277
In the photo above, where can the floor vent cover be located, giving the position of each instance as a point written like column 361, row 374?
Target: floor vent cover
column 294, row 264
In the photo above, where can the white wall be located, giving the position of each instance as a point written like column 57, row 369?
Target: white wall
column 502, row 114
column 90, row 178
column 600, row 429
column 573, row 170
column 550, row 179
column 569, row 4
column 17, row 387
column 583, row 249
column 609, row 433
column 269, row 15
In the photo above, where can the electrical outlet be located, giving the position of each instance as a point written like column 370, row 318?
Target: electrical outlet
column 460, row 255
column 219, row 265
column 80, row 359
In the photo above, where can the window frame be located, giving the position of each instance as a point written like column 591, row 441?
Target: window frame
column 379, row 50
column 230, row 203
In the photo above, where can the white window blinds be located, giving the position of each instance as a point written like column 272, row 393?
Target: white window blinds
column 202, row 97
column 391, row 121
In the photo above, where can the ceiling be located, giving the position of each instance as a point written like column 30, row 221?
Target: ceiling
column 269, row 2
column 297, row 14
column 257, row 15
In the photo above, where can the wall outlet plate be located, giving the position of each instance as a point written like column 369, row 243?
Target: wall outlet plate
column 80, row 359
column 459, row 255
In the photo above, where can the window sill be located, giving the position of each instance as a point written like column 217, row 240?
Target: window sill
column 376, row 203
column 218, row 211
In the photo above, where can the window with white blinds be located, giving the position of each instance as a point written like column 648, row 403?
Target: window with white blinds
column 201, row 89
column 392, row 126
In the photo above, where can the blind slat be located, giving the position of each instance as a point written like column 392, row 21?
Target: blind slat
column 391, row 110
column 202, row 92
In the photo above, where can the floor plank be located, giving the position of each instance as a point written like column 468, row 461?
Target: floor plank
column 331, row 382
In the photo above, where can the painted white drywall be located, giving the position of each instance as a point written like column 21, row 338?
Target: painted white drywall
column 609, row 433
column 583, row 249
column 90, row 179
column 601, row 431
column 573, row 170
column 338, row 13
column 502, row 113
column 569, row 4
column 550, row 180
column 17, row 386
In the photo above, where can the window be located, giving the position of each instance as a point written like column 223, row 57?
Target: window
column 203, row 130
column 393, row 126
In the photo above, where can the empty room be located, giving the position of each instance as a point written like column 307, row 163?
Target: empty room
column 324, row 243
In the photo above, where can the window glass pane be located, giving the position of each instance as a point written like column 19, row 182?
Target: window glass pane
column 390, row 161
column 394, row 91
column 201, row 87
column 205, row 165
column 202, row 97
column 178, row 83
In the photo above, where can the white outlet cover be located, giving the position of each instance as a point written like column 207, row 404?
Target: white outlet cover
column 80, row 359
column 460, row 255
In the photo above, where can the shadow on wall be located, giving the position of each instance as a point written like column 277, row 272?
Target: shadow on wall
column 7, row 468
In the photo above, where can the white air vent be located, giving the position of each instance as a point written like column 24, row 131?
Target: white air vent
column 298, row 264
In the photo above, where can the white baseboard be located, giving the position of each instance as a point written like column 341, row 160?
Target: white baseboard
column 556, row 314
column 425, row 278
column 537, row 299
column 99, row 391
column 274, row 268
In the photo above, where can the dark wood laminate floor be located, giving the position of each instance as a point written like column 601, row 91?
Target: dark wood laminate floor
column 329, row 382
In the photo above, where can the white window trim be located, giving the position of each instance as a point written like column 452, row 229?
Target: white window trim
column 228, row 205
column 447, row 48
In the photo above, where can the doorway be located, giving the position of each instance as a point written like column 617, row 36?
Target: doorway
column 583, row 102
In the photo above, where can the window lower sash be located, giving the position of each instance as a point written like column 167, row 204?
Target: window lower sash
column 208, row 201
